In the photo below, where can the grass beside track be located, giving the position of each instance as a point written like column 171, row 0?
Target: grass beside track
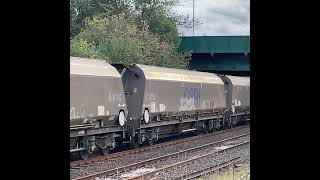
column 242, row 173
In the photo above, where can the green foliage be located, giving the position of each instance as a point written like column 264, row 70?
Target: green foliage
column 81, row 48
column 80, row 10
column 126, row 31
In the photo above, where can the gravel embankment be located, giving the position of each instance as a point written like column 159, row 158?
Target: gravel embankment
column 122, row 161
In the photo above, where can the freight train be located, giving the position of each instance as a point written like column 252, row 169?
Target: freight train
column 113, row 104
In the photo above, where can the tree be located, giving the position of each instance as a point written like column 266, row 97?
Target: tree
column 127, row 31
column 118, row 39
column 80, row 10
column 81, row 48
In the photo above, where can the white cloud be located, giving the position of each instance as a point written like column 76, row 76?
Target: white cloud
column 218, row 17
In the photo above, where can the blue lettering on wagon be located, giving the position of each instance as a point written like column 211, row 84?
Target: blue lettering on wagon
column 191, row 92
column 190, row 99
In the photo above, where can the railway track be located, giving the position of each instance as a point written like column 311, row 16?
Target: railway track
column 177, row 159
column 210, row 169
column 190, row 175
column 96, row 159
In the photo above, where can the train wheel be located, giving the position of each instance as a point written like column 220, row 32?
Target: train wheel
column 105, row 151
column 234, row 122
column 228, row 123
column 211, row 125
column 205, row 129
column 134, row 143
column 150, row 142
column 217, row 125
column 84, row 155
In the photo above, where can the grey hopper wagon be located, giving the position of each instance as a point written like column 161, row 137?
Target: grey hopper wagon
column 111, row 104
column 165, row 101
column 238, row 98
column 240, row 90
column 97, row 106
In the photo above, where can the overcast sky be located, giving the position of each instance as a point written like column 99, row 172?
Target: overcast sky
column 218, row 17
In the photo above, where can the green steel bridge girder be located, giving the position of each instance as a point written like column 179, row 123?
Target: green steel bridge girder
column 217, row 53
column 222, row 62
